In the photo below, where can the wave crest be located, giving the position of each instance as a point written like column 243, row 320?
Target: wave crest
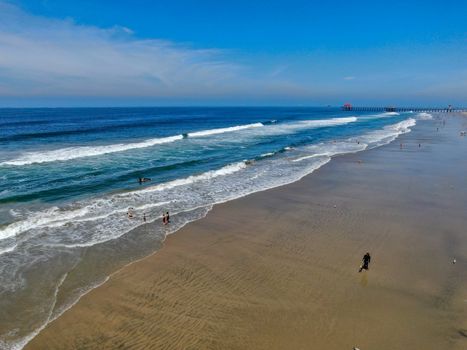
column 224, row 130
column 424, row 116
column 70, row 153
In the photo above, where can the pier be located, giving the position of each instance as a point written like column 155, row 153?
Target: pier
column 448, row 109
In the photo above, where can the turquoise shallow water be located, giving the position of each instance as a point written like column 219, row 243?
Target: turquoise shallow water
column 69, row 176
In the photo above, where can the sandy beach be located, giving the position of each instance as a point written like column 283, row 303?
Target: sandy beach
column 279, row 269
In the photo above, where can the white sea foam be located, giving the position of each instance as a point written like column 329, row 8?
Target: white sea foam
column 379, row 115
column 41, row 219
column 103, row 208
column 224, row 130
column 295, row 126
column 70, row 153
column 369, row 140
column 226, row 170
column 387, row 134
column 322, row 122
column 310, row 156
column 330, row 149
column 424, row 116
column 8, row 249
column 403, row 126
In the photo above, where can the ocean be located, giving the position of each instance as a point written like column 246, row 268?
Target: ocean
column 69, row 176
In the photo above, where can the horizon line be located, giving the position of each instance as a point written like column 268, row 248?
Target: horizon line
column 237, row 106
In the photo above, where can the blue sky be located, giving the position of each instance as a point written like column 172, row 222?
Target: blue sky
column 121, row 52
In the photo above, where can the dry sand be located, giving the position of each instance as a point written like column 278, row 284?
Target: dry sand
column 278, row 269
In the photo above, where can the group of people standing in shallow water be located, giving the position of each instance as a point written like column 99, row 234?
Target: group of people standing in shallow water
column 165, row 216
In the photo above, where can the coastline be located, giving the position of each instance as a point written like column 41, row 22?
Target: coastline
column 277, row 268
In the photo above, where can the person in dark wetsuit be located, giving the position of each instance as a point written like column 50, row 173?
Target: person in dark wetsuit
column 365, row 262
column 167, row 218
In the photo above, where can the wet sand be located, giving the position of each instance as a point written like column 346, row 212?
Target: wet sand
column 279, row 269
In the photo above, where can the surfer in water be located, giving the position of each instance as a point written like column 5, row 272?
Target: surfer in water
column 365, row 262
column 143, row 179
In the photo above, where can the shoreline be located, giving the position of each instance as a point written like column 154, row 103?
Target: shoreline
column 209, row 220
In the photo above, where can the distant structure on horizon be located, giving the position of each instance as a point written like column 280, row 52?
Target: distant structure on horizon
column 348, row 107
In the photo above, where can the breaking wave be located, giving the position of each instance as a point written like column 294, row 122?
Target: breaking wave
column 70, row 153
column 424, row 116
column 223, row 130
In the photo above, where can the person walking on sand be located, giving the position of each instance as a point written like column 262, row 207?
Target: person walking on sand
column 365, row 262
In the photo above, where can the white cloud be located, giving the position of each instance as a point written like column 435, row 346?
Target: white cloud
column 49, row 57
column 349, row 78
